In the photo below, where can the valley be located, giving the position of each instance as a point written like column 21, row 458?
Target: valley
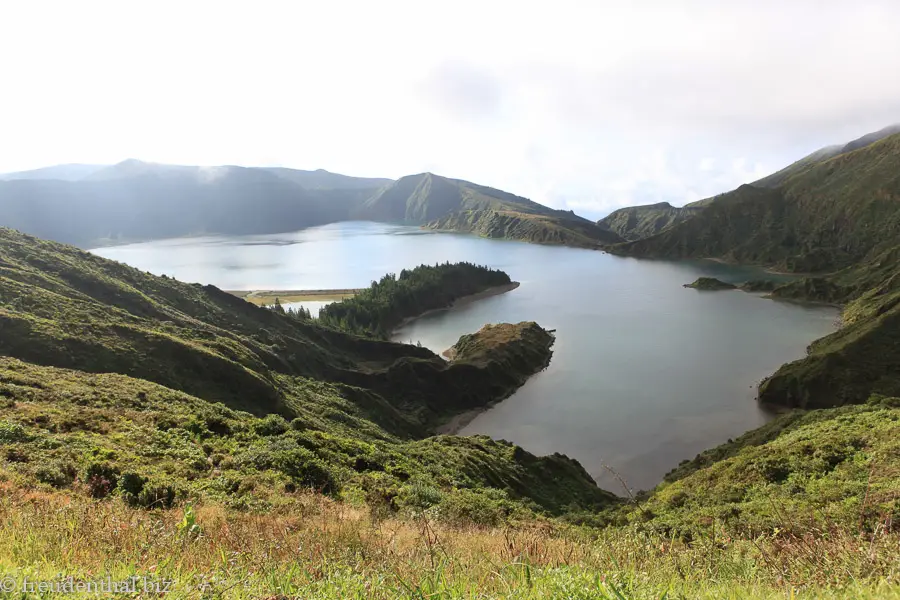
column 616, row 408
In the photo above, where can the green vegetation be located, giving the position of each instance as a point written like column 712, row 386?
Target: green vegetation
column 158, row 428
column 566, row 230
column 760, row 285
column 318, row 549
column 710, row 283
column 637, row 222
column 801, row 473
column 382, row 307
column 194, row 393
column 836, row 216
column 456, row 205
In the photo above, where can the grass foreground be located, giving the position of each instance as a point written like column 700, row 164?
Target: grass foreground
column 319, row 548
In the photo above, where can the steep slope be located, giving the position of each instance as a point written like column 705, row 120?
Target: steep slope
column 135, row 200
column 197, row 361
column 637, row 222
column 799, row 471
column 841, row 218
column 421, row 198
column 823, row 154
column 456, row 205
column 830, row 216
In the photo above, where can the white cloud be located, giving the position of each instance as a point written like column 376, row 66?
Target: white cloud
column 584, row 105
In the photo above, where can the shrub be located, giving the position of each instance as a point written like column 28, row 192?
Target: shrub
column 56, row 473
column 131, row 484
column 11, row 433
column 479, row 508
column 101, row 479
column 306, row 469
column 136, row 491
column 271, row 425
column 419, row 496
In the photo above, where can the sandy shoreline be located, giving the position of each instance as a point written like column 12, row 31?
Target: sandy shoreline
column 493, row 291
column 268, row 296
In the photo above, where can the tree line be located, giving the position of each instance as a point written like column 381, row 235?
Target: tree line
column 385, row 304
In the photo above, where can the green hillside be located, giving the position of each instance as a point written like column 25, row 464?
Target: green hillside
column 833, row 215
column 207, row 439
column 637, row 222
column 135, row 201
column 286, row 400
column 455, row 205
column 839, row 219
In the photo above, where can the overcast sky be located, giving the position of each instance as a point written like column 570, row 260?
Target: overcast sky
column 585, row 105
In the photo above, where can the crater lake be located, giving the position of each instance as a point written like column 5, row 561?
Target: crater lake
column 645, row 373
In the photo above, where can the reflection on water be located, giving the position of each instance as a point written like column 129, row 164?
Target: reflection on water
column 645, row 373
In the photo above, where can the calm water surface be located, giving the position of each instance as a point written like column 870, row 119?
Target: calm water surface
column 645, row 373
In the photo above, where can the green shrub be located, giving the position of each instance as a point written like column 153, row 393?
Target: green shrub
column 139, row 492
column 11, row 433
column 131, row 484
column 271, row 425
column 419, row 496
column 56, row 473
column 487, row 507
column 306, row 469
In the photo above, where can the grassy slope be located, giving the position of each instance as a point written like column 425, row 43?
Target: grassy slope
column 66, row 308
column 833, row 215
column 802, row 472
column 452, row 204
column 458, row 510
column 314, row 548
column 840, row 216
column 637, row 222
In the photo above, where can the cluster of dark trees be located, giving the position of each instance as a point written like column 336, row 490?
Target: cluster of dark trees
column 378, row 310
column 299, row 313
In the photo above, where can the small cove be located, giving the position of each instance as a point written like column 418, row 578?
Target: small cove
column 645, row 373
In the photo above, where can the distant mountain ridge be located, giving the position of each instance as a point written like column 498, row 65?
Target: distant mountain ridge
column 68, row 172
column 441, row 203
column 136, row 200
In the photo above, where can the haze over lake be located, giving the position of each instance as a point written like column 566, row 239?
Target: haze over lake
column 645, row 373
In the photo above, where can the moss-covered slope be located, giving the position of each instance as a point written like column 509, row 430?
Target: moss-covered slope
column 563, row 229
column 832, row 215
column 802, row 472
column 129, row 341
column 638, row 222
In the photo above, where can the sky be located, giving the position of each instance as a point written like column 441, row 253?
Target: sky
column 583, row 105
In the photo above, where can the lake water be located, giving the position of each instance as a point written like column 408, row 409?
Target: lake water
column 645, row 373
